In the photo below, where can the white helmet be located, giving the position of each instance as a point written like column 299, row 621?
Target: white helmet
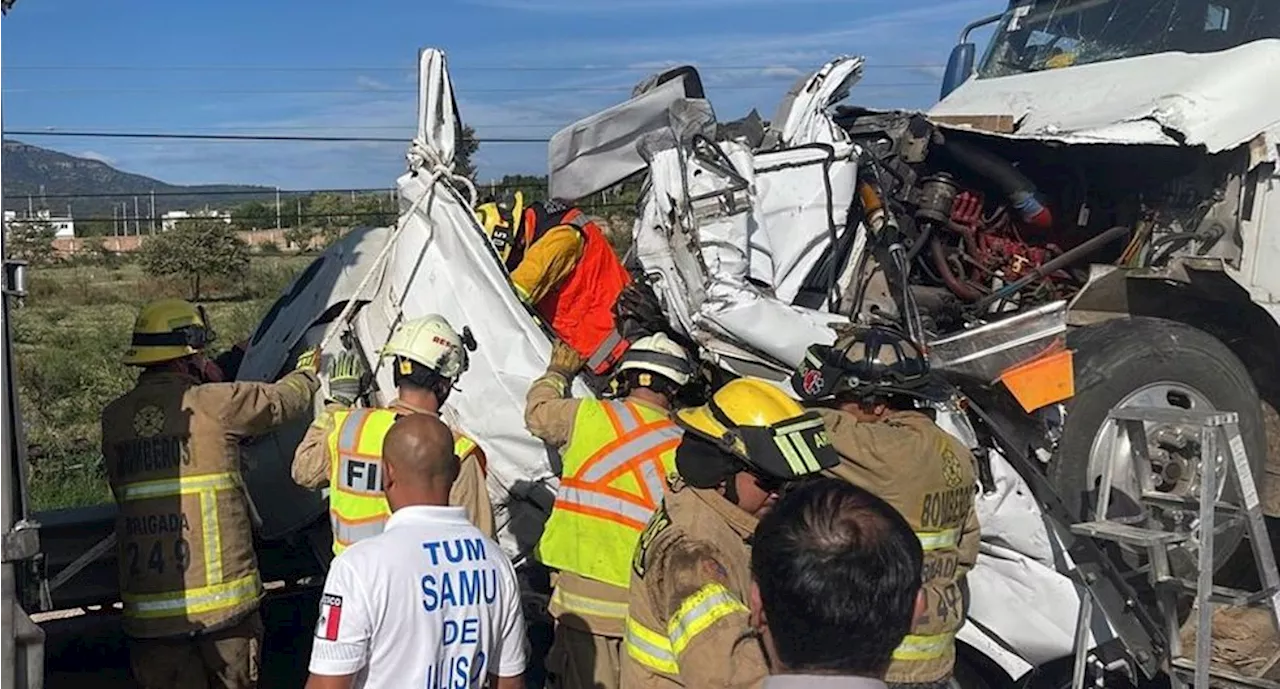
column 658, row 354
column 431, row 342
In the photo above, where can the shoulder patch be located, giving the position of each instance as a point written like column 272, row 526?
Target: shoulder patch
column 657, row 524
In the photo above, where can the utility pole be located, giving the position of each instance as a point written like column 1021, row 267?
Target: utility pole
column 299, row 212
column 115, row 220
column 277, row 208
column 30, row 212
column 153, row 211
column 136, row 228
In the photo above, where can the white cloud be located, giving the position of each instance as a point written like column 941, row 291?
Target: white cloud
column 371, row 84
column 781, row 71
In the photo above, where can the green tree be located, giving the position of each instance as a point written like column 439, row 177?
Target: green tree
column 254, row 215
column 195, row 249
column 299, row 236
column 467, row 146
column 31, row 242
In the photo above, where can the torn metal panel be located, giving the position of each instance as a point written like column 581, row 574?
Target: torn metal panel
column 1216, row 100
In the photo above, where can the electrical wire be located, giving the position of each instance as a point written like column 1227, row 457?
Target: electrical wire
column 250, row 137
column 540, row 183
column 375, row 91
column 452, row 68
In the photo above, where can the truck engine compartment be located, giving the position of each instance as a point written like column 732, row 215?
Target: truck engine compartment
column 996, row 225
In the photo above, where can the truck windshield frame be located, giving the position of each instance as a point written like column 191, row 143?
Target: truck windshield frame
column 1040, row 35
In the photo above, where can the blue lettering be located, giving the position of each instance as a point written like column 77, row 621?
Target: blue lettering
column 431, row 548
column 449, row 552
column 475, row 549
column 430, row 599
column 451, row 632
column 469, row 586
column 477, row 667
column 435, row 677
column 446, row 590
column 490, row 589
column 471, row 630
column 460, row 668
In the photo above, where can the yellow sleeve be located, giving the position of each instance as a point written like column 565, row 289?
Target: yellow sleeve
column 547, row 262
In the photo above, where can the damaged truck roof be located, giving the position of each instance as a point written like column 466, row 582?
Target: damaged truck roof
column 1215, row 100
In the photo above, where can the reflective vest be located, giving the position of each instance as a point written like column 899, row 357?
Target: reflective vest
column 615, row 470
column 178, row 572
column 580, row 308
column 357, row 507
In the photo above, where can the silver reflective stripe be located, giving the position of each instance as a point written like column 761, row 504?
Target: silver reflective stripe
column 627, row 417
column 653, row 652
column 652, row 479
column 680, row 630
column 636, row 447
column 214, row 598
column 602, row 352
column 937, row 540
column 586, row 498
column 349, row 435
column 351, row 533
column 178, row 486
column 592, row 606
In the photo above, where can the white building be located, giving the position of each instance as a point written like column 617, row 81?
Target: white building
column 63, row 226
column 170, row 220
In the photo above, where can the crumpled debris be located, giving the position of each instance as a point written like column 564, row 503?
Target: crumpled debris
column 1244, row 642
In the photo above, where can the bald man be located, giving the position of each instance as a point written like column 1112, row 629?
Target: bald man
column 428, row 602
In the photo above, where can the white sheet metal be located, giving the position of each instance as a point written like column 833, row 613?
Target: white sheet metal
column 1216, row 100
column 802, row 117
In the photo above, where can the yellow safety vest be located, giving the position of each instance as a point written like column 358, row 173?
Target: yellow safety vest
column 615, row 470
column 357, row 507
column 211, row 592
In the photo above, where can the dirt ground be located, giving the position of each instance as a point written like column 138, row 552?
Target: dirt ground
column 1244, row 642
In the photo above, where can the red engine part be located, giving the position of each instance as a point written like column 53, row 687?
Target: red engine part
column 991, row 246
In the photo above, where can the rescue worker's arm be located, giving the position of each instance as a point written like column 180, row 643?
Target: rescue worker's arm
column 249, row 409
column 311, row 460
column 548, row 414
column 469, row 492
column 547, row 262
column 708, row 625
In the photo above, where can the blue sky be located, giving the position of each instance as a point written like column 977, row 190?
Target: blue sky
column 521, row 68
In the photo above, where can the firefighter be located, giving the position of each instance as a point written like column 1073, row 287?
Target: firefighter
column 343, row 446
column 562, row 265
column 687, row 618
column 865, row 387
column 188, row 573
column 617, row 454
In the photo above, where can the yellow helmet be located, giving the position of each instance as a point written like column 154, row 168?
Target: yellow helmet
column 502, row 224
column 764, row 428
column 167, row 329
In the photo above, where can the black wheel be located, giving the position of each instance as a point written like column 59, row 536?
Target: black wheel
column 1160, row 363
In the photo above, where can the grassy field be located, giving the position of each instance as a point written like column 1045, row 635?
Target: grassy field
column 68, row 339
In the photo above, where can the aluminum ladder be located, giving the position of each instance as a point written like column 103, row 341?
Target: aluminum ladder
column 1219, row 438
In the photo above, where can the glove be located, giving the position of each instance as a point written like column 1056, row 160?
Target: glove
column 565, row 360
column 347, row 373
column 309, row 360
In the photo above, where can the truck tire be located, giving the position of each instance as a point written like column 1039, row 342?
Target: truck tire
column 1152, row 362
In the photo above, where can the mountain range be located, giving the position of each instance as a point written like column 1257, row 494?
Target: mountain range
column 42, row 178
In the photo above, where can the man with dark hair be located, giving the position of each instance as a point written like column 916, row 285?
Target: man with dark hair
column 836, row 584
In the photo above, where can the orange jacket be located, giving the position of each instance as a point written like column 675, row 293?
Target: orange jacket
column 579, row 308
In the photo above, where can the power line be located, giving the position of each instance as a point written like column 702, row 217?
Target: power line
column 312, row 92
column 539, row 183
column 389, row 213
column 452, row 68
column 250, row 137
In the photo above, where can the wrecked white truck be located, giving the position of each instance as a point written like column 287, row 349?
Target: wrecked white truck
column 1066, row 241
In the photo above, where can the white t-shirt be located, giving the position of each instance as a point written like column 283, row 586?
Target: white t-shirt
column 430, row 602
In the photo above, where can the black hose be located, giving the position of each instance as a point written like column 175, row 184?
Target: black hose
column 1020, row 190
column 1067, row 258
